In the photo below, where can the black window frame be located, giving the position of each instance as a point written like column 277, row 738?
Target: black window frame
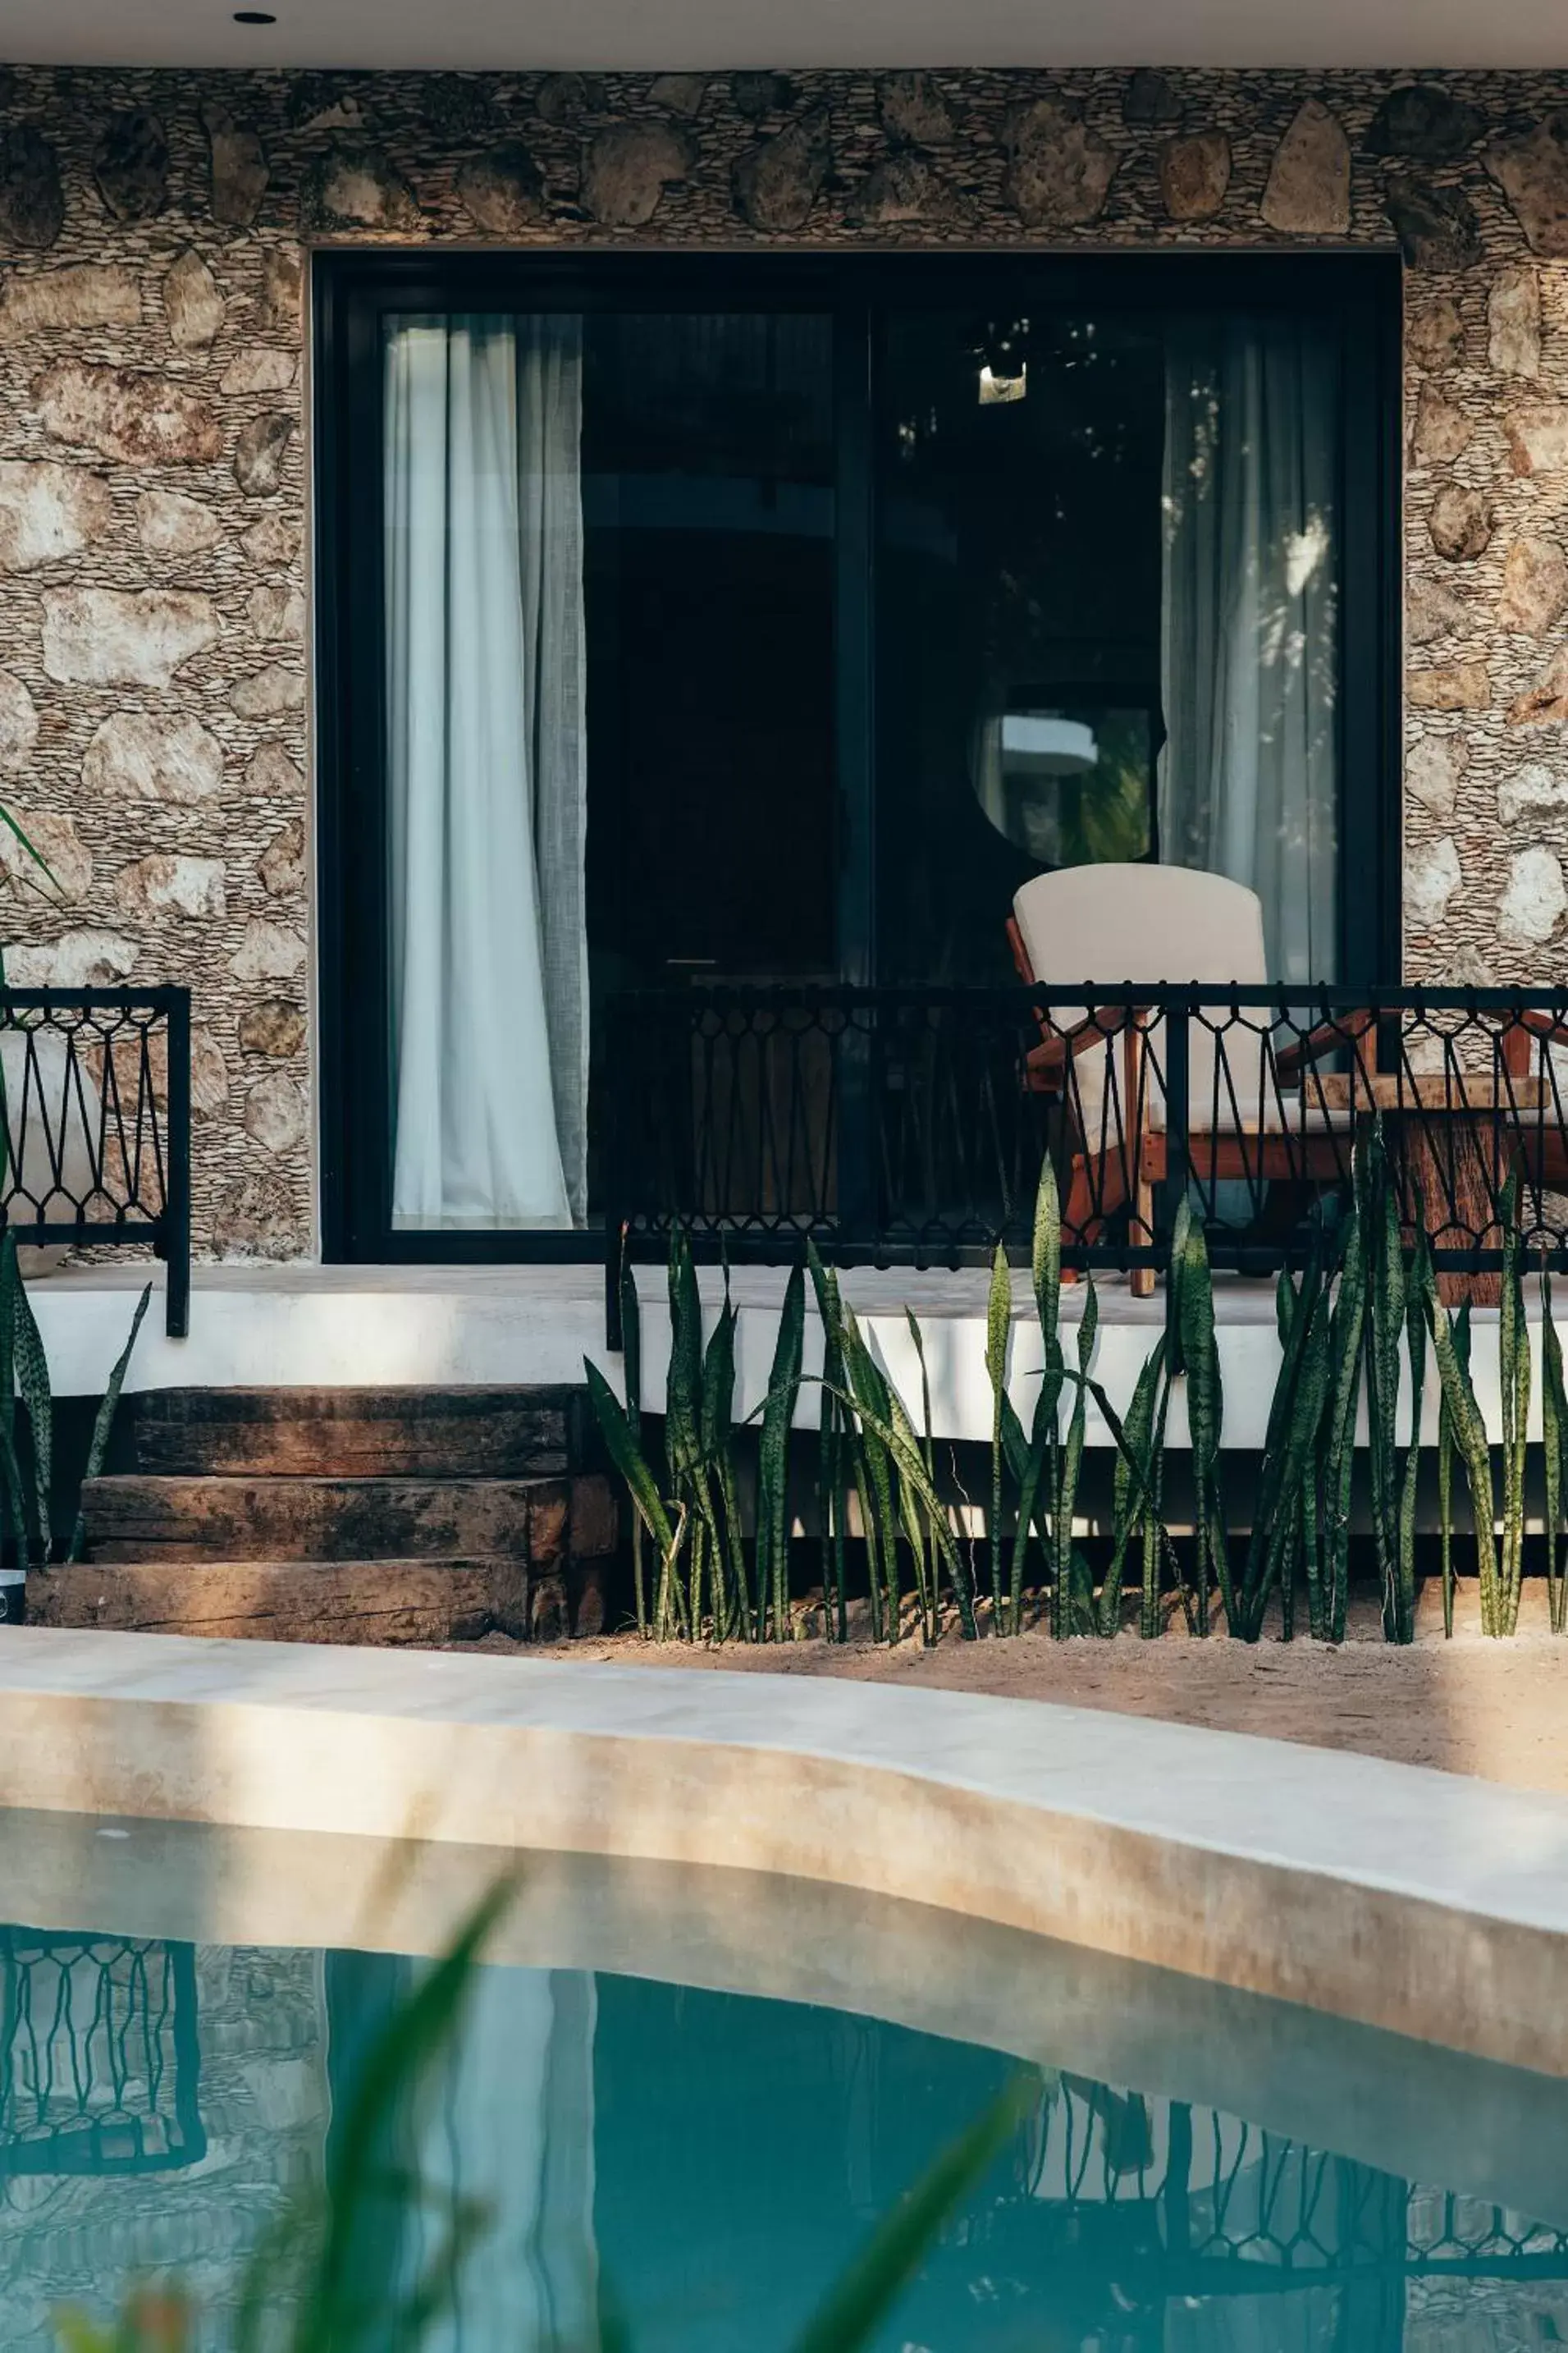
column 350, row 291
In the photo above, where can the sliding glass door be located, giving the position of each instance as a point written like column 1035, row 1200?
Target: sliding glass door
column 686, row 624
column 659, row 489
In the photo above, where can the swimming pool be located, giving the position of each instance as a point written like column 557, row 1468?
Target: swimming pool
column 694, row 2092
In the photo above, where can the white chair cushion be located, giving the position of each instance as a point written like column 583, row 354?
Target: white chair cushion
column 1173, row 926
column 1112, row 923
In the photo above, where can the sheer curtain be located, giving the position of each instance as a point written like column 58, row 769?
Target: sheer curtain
column 1247, row 783
column 486, row 771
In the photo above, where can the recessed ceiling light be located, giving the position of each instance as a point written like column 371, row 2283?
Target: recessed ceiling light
column 254, row 16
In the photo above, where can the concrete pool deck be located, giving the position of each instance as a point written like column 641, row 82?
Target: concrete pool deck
column 1389, row 1895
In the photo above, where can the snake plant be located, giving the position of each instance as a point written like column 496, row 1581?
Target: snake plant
column 1357, row 1327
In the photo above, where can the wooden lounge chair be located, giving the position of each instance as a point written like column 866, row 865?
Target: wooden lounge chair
column 1251, row 1116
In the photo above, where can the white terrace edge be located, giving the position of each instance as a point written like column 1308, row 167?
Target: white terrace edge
column 298, row 1326
column 1418, row 1902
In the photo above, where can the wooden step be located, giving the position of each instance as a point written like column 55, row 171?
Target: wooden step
column 140, row 1517
column 381, row 1601
column 348, row 1433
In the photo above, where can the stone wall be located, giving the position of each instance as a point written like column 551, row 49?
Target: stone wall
column 154, row 605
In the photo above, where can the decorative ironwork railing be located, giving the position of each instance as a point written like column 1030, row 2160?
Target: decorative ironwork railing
column 909, row 1126
column 95, row 1095
column 1147, row 2199
column 99, row 2055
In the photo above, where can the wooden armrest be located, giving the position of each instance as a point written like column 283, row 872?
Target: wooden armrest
column 1048, row 1060
column 1047, row 1064
column 1544, row 1025
column 1347, row 1030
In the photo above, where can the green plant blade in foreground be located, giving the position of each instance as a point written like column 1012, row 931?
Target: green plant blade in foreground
column 862, row 2299
column 397, row 2068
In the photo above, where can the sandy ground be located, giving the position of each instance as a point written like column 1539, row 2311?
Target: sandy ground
column 1499, row 1709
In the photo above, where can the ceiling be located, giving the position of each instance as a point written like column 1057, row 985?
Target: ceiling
column 671, row 35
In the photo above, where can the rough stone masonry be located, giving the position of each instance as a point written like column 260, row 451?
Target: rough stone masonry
column 155, row 230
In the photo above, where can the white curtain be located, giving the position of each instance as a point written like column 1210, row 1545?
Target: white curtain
column 486, row 771
column 1248, row 782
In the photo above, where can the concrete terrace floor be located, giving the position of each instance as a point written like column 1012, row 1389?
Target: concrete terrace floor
column 1495, row 1709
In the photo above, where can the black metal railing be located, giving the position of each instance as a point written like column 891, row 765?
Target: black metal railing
column 99, row 2062
column 95, row 1092
column 905, row 1126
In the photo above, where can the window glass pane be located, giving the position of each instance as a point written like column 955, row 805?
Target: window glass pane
column 1108, row 618
column 708, row 485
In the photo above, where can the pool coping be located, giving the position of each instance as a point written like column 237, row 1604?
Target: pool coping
column 1421, row 1901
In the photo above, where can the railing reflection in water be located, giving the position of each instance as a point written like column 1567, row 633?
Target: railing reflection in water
column 99, row 2055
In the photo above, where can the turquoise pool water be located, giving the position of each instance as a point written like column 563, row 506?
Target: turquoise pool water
column 712, row 2159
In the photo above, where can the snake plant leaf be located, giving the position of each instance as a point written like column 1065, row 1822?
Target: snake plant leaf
column 1555, row 1437
column 1271, row 1505
column 928, row 1442
column 631, row 1362
column 1065, row 1502
column 1475, row 1452
column 732, row 1602
column 683, row 1384
column 1291, row 1449
column 1447, row 1449
column 924, row 1545
column 1513, row 1365
column 1130, row 1520
column 16, row 1496
column 631, row 1340
column 1139, row 1426
column 833, row 1445
column 1445, row 1508
column 1206, row 1413
column 622, row 1447
column 874, row 1478
column 33, row 1381
column 1385, row 1341
column 1416, row 1333
column 772, row 1446
column 1045, row 1250
column 1141, row 1485
column 13, row 826
column 905, row 1452
column 1346, row 1331
column 1029, row 1486
column 998, row 1325
column 909, row 1512
column 103, row 1421
column 719, row 1384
